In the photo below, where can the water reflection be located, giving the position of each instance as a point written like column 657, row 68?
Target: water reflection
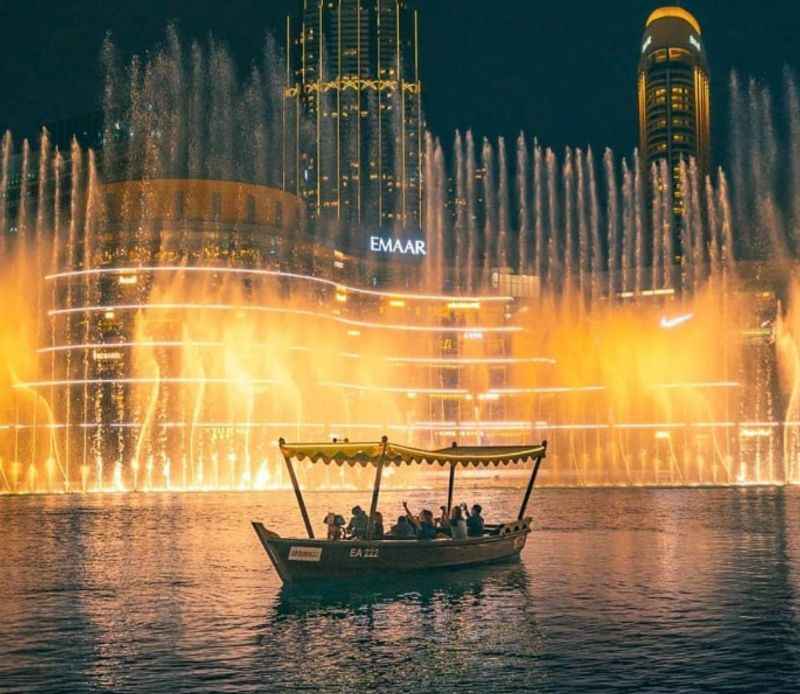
column 449, row 586
column 627, row 589
column 454, row 626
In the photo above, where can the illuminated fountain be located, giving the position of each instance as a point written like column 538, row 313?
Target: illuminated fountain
column 170, row 311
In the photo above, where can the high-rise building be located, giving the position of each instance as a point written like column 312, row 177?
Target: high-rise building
column 353, row 116
column 673, row 91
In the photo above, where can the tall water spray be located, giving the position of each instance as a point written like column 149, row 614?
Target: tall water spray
column 182, row 351
column 568, row 221
column 503, row 210
column 612, row 221
column 460, row 239
column 628, row 227
column 490, row 225
column 538, row 212
column 471, row 214
column 657, row 252
column 524, row 240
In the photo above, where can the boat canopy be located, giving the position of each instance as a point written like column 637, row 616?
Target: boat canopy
column 386, row 453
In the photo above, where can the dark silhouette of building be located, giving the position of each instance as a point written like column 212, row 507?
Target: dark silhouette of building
column 353, row 116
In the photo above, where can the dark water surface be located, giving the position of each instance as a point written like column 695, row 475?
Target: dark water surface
column 637, row 590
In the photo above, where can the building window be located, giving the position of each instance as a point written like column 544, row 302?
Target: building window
column 678, row 53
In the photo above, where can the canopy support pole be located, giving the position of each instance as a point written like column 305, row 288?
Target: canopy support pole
column 298, row 494
column 450, row 488
column 531, row 482
column 376, row 490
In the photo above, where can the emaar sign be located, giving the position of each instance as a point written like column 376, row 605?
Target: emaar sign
column 392, row 246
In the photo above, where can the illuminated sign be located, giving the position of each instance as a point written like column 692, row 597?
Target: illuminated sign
column 384, row 244
column 647, row 43
column 668, row 323
column 695, row 42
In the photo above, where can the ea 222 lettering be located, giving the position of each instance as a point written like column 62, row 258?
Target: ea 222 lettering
column 366, row 553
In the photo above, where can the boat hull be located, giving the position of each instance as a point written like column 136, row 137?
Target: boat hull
column 298, row 559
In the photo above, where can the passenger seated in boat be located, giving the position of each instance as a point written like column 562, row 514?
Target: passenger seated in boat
column 475, row 522
column 377, row 526
column 458, row 526
column 335, row 523
column 357, row 527
column 425, row 527
column 402, row 530
column 443, row 521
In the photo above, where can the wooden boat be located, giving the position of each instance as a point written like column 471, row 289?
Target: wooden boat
column 300, row 559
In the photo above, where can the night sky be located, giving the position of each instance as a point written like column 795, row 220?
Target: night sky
column 562, row 70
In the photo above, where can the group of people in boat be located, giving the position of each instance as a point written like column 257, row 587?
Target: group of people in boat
column 459, row 524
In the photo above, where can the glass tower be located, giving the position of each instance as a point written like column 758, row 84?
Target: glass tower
column 673, row 95
column 353, row 117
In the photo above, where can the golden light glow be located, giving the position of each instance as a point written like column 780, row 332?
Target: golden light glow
column 212, row 363
column 140, row 381
column 466, row 361
column 245, row 373
column 675, row 13
column 549, row 390
column 214, row 270
column 390, row 389
column 109, row 312
column 710, row 384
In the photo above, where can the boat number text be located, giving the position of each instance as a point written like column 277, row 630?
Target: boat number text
column 367, row 553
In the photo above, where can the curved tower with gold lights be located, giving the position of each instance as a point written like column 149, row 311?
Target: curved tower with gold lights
column 673, row 94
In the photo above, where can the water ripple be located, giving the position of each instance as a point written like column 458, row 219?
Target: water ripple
column 637, row 590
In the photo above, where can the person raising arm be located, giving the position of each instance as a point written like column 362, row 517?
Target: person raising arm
column 425, row 526
column 475, row 523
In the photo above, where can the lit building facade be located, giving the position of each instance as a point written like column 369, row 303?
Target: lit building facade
column 673, row 95
column 190, row 322
column 352, row 116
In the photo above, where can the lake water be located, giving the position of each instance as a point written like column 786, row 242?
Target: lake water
column 637, row 590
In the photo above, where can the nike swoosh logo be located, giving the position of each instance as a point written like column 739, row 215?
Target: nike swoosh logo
column 675, row 322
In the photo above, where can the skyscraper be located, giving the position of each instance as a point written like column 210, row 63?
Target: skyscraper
column 353, row 116
column 673, row 91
